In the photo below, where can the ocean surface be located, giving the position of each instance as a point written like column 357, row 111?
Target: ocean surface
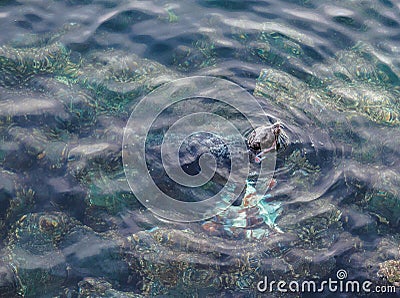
column 109, row 109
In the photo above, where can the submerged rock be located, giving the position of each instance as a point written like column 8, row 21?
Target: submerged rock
column 98, row 287
column 116, row 77
column 353, row 82
column 18, row 65
column 49, row 250
column 201, row 53
column 390, row 270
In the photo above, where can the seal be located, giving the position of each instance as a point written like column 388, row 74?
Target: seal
column 253, row 215
column 265, row 139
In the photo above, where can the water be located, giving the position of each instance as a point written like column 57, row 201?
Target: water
column 72, row 72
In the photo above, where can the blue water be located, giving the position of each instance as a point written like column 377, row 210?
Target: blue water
column 71, row 74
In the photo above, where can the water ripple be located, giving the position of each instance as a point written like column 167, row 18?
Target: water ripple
column 72, row 71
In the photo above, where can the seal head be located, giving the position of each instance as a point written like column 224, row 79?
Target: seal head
column 266, row 137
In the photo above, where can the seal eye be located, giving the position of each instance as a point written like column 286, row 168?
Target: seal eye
column 256, row 146
column 252, row 143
